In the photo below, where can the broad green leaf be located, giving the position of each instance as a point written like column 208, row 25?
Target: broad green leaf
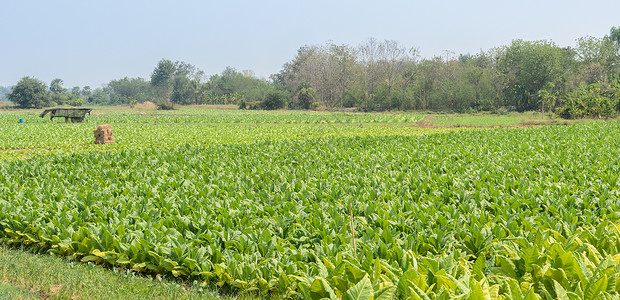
column 418, row 292
column 320, row 289
column 361, row 291
column 386, row 293
column 560, row 291
column 596, row 288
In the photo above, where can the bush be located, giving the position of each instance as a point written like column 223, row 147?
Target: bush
column 255, row 105
column 165, row 105
column 593, row 101
column 275, row 100
column 315, row 105
column 242, row 104
column 305, row 96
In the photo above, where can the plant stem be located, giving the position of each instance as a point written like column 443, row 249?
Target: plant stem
column 353, row 231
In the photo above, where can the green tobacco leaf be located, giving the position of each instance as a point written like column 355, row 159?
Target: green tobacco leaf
column 596, row 288
column 478, row 291
column 90, row 258
column 386, row 293
column 560, row 291
column 405, row 281
column 353, row 273
column 508, row 267
column 478, row 268
column 418, row 292
column 361, row 291
column 320, row 289
column 531, row 295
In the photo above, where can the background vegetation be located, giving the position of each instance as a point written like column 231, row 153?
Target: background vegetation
column 580, row 81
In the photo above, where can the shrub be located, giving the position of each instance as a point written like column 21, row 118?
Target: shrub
column 255, row 105
column 593, row 101
column 275, row 100
column 242, row 104
column 305, row 96
column 165, row 105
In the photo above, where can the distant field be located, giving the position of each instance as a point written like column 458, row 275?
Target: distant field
column 490, row 120
column 136, row 130
column 323, row 205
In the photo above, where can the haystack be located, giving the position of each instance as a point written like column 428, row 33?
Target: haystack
column 103, row 134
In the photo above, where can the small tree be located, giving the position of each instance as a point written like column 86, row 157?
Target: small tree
column 56, row 86
column 305, row 96
column 77, row 102
column 547, row 98
column 182, row 92
column 30, row 93
column 275, row 100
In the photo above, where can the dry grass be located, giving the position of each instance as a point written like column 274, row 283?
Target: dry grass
column 148, row 105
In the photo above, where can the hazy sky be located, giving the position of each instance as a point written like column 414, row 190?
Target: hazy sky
column 92, row 42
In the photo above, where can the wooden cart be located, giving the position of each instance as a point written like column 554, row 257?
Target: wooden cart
column 76, row 115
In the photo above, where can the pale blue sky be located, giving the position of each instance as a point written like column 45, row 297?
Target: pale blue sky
column 93, row 42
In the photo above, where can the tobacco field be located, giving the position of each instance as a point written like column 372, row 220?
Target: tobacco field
column 301, row 208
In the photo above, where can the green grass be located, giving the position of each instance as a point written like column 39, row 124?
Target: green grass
column 24, row 275
column 10, row 291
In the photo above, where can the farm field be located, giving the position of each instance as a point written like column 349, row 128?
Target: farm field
column 153, row 130
column 480, row 120
column 322, row 205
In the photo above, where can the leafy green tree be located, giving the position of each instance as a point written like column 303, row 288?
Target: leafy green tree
column 163, row 72
column 76, row 101
column 76, row 91
column 30, row 93
column 614, row 34
column 198, row 90
column 86, row 93
column 599, row 59
column 232, row 85
column 182, row 91
column 275, row 100
column 305, row 97
column 529, row 66
column 161, row 79
column 100, row 96
column 56, row 86
column 122, row 90
column 547, row 97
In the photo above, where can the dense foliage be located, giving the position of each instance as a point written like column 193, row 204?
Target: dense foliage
column 525, row 214
column 594, row 100
column 30, row 93
column 385, row 75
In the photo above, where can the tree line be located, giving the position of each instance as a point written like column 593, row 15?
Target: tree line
column 525, row 75
column 379, row 75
